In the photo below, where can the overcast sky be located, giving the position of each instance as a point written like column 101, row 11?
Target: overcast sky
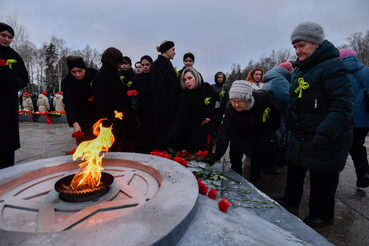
column 218, row 32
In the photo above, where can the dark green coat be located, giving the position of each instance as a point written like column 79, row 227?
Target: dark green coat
column 324, row 107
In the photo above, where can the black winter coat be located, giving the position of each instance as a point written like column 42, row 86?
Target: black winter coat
column 166, row 90
column 76, row 95
column 194, row 106
column 243, row 129
column 11, row 81
column 325, row 107
column 143, row 105
column 110, row 94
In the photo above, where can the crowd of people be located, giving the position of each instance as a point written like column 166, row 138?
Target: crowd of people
column 317, row 101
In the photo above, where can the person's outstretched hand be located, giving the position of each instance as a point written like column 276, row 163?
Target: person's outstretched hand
column 212, row 158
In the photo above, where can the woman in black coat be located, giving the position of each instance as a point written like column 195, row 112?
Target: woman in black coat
column 166, row 90
column 193, row 126
column 142, row 103
column 13, row 77
column 78, row 98
column 249, row 124
column 110, row 95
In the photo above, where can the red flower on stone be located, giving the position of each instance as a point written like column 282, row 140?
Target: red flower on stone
column 212, row 194
column 77, row 134
column 181, row 161
column 132, row 92
column 3, row 62
column 201, row 154
column 223, row 205
column 203, row 189
column 195, row 176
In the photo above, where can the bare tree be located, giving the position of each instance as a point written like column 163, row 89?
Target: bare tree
column 360, row 43
column 20, row 35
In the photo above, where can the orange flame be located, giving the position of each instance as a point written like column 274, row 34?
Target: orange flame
column 90, row 151
column 118, row 115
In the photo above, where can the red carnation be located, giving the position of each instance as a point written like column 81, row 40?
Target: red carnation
column 132, row 92
column 195, row 176
column 181, row 161
column 72, row 151
column 212, row 194
column 77, row 134
column 3, row 62
column 203, row 189
column 223, row 205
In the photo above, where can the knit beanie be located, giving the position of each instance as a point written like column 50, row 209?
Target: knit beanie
column 6, row 27
column 164, row 46
column 190, row 55
column 286, row 65
column 347, row 52
column 241, row 89
column 44, row 93
column 308, row 31
column 59, row 92
column 127, row 59
column 75, row 61
column 26, row 94
column 148, row 58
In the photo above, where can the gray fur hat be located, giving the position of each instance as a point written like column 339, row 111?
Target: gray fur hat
column 308, row 31
column 241, row 89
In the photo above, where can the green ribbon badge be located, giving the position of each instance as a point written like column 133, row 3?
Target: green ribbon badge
column 121, row 78
column 302, row 86
column 207, row 101
column 129, row 83
column 221, row 93
column 175, row 70
column 266, row 114
column 10, row 62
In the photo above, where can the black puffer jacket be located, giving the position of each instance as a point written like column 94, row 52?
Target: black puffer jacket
column 325, row 107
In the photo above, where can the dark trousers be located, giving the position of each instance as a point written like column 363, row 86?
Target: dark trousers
column 322, row 190
column 257, row 161
column 358, row 152
column 7, row 159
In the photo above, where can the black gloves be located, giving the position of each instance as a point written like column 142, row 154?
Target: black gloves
column 319, row 140
column 212, row 158
column 166, row 143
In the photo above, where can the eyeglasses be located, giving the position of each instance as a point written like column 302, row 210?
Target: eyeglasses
column 241, row 102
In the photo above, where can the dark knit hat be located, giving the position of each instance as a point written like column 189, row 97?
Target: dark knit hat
column 241, row 89
column 75, row 61
column 347, row 52
column 308, row 31
column 6, row 27
column 128, row 60
column 146, row 57
column 164, row 46
column 190, row 55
